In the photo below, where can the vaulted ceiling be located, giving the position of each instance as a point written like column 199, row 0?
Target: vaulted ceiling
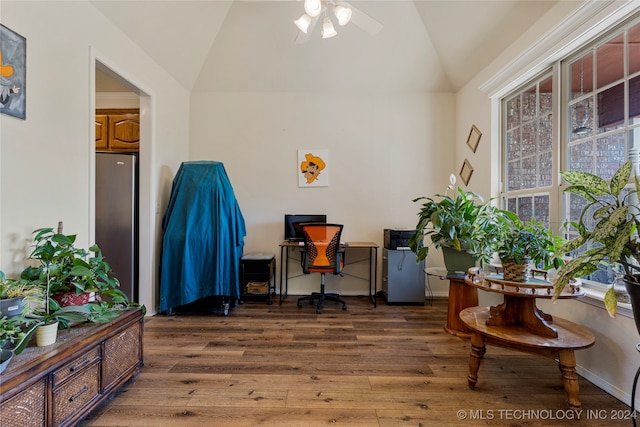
column 250, row 45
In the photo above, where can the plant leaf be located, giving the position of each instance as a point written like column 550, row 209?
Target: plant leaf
column 610, row 302
column 620, row 179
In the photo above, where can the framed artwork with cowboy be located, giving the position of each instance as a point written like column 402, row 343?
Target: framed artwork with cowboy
column 313, row 168
column 13, row 73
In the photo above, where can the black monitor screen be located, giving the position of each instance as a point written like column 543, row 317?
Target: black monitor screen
column 292, row 230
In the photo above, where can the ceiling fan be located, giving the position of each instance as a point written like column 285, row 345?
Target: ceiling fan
column 342, row 11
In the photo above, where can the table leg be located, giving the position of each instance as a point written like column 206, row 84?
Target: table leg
column 569, row 377
column 461, row 296
column 478, row 349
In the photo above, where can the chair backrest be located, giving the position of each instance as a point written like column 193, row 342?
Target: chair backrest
column 322, row 248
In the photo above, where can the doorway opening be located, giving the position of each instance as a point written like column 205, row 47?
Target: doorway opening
column 117, row 176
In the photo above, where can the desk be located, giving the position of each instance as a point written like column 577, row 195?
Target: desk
column 373, row 265
column 570, row 337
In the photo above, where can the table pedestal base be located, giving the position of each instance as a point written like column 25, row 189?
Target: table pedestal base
column 516, row 311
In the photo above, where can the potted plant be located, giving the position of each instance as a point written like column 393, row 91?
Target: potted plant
column 14, row 336
column 462, row 227
column 72, row 274
column 14, row 295
column 613, row 237
column 523, row 245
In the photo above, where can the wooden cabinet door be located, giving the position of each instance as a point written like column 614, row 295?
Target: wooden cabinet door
column 124, row 132
column 102, row 142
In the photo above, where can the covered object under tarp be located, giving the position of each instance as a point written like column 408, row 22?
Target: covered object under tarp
column 203, row 237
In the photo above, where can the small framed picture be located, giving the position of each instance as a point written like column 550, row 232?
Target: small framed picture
column 466, row 171
column 474, row 138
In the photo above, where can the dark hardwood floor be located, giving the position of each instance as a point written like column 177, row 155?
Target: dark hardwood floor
column 387, row 366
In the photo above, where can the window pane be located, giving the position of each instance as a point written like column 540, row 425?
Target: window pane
column 634, row 100
column 513, row 112
column 525, row 208
column 581, row 119
column 512, row 204
column 610, row 61
column 529, row 172
column 609, row 155
column 581, row 76
column 581, row 157
column 529, row 107
column 633, row 39
column 546, row 169
column 529, row 145
column 513, row 172
column 541, row 208
column 546, row 97
column 611, row 108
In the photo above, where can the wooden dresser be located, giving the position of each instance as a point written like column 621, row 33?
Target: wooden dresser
column 59, row 384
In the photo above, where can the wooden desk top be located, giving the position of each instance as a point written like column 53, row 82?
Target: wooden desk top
column 571, row 336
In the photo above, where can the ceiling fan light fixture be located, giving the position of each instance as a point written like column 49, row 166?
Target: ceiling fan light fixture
column 327, row 29
column 303, row 22
column 313, row 7
column 343, row 14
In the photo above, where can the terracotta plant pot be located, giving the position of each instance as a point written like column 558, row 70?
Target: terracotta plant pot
column 67, row 299
column 46, row 334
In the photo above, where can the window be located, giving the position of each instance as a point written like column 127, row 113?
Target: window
column 528, row 150
column 599, row 94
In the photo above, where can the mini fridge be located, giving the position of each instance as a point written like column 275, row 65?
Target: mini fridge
column 403, row 279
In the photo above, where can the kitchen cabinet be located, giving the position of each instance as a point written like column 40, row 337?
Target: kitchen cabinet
column 118, row 130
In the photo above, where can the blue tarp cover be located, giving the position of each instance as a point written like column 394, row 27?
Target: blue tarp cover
column 203, row 237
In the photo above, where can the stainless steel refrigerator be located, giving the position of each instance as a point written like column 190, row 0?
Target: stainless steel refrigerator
column 117, row 216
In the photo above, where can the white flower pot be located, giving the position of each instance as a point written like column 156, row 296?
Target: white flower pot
column 46, row 334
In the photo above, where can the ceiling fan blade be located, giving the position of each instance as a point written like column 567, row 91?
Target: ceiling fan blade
column 364, row 21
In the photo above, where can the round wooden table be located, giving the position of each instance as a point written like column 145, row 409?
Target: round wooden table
column 519, row 324
column 570, row 337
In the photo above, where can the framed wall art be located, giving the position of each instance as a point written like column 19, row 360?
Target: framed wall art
column 13, row 73
column 474, row 138
column 313, row 168
column 466, row 171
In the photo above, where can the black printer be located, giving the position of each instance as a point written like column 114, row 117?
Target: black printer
column 395, row 239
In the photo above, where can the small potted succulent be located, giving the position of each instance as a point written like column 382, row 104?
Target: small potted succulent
column 523, row 245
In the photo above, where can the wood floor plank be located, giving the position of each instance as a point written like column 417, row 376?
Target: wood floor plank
column 281, row 365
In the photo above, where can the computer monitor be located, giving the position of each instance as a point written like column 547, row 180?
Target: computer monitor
column 292, row 229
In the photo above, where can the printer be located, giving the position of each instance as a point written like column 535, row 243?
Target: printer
column 397, row 239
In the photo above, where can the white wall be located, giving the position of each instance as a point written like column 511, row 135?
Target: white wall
column 47, row 160
column 612, row 362
column 385, row 150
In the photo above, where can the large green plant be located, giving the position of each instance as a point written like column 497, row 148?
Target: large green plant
column 612, row 238
column 465, row 223
column 520, row 241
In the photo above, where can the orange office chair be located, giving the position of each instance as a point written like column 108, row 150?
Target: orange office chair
column 322, row 255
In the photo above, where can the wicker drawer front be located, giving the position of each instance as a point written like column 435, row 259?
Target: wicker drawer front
column 75, row 393
column 121, row 353
column 25, row 409
column 73, row 368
